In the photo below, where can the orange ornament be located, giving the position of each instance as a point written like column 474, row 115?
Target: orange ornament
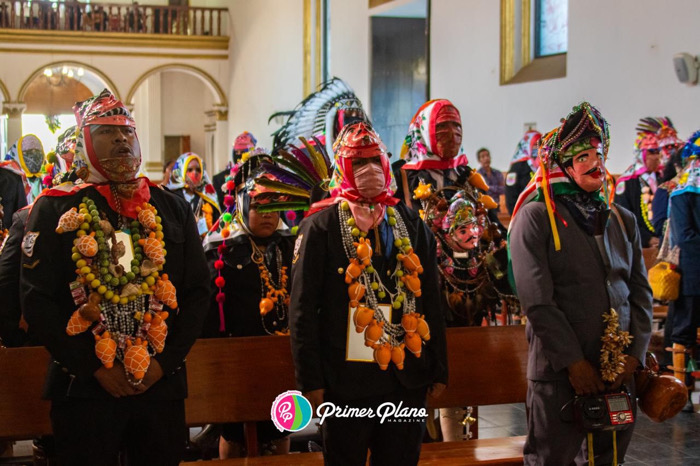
column 356, row 291
column 153, row 249
column 87, row 245
column 105, row 349
column 362, row 317
column 410, row 261
column 476, row 180
column 382, row 354
column 165, row 291
column 488, row 201
column 423, row 329
column 373, row 332
column 146, row 216
column 398, row 355
column 409, row 322
column 70, row 221
column 364, row 251
column 77, row 324
column 353, row 271
column 136, row 358
column 412, row 283
column 266, row 305
column 413, row 343
column 158, row 331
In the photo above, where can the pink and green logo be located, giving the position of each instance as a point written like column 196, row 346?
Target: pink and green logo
column 291, row 411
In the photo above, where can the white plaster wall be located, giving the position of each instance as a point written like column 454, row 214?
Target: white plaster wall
column 266, row 64
column 619, row 59
column 350, row 45
column 184, row 99
column 266, row 57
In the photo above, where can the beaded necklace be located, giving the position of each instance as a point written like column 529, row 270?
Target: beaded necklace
column 273, row 296
column 386, row 338
column 126, row 300
column 645, row 208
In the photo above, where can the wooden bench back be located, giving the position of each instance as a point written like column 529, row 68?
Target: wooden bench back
column 237, row 379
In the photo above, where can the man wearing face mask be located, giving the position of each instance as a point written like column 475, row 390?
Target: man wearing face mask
column 348, row 298
column 636, row 188
column 574, row 259
column 189, row 180
column 432, row 150
column 245, row 142
column 27, row 155
column 117, row 315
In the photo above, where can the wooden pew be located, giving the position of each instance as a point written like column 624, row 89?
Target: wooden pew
column 237, row 379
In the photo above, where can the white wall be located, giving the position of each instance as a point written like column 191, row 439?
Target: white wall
column 184, row 99
column 619, row 59
column 266, row 58
column 350, row 45
column 266, row 66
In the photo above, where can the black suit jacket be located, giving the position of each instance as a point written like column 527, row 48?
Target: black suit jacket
column 318, row 313
column 47, row 302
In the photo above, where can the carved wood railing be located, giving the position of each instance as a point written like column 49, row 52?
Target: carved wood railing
column 113, row 17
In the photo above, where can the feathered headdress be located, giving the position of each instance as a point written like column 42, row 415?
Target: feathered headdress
column 297, row 172
column 316, row 115
column 662, row 128
column 688, row 180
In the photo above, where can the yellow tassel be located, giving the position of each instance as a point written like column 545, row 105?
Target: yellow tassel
column 550, row 211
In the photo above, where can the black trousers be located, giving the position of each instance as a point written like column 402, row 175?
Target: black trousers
column 686, row 316
column 94, row 432
column 396, row 441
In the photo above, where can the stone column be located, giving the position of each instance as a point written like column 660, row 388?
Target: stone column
column 14, row 111
column 222, row 151
column 148, row 115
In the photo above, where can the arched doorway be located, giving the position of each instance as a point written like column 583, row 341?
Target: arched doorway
column 48, row 96
column 186, row 112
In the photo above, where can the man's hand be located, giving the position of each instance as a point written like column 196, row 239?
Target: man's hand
column 315, row 397
column 654, row 242
column 153, row 375
column 585, row 378
column 631, row 363
column 436, row 389
column 114, row 381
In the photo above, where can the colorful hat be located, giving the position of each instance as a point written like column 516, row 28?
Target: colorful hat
column 101, row 109
column 420, row 145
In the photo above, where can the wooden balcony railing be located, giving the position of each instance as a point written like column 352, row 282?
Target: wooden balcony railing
column 112, row 17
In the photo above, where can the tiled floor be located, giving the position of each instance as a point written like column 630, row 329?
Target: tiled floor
column 675, row 442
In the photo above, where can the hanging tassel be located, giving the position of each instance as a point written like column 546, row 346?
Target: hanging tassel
column 550, row 210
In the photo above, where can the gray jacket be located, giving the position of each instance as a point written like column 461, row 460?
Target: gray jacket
column 564, row 294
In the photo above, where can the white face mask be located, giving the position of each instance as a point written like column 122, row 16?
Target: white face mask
column 370, row 180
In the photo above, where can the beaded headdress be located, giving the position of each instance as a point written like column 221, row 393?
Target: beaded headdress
column 584, row 122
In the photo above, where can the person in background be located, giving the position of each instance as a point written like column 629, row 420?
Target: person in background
column 244, row 142
column 13, row 193
column 493, row 177
column 522, row 167
column 684, row 222
column 118, row 338
column 189, row 181
column 637, row 186
column 27, row 156
column 579, row 274
column 251, row 264
column 432, row 150
column 167, row 172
